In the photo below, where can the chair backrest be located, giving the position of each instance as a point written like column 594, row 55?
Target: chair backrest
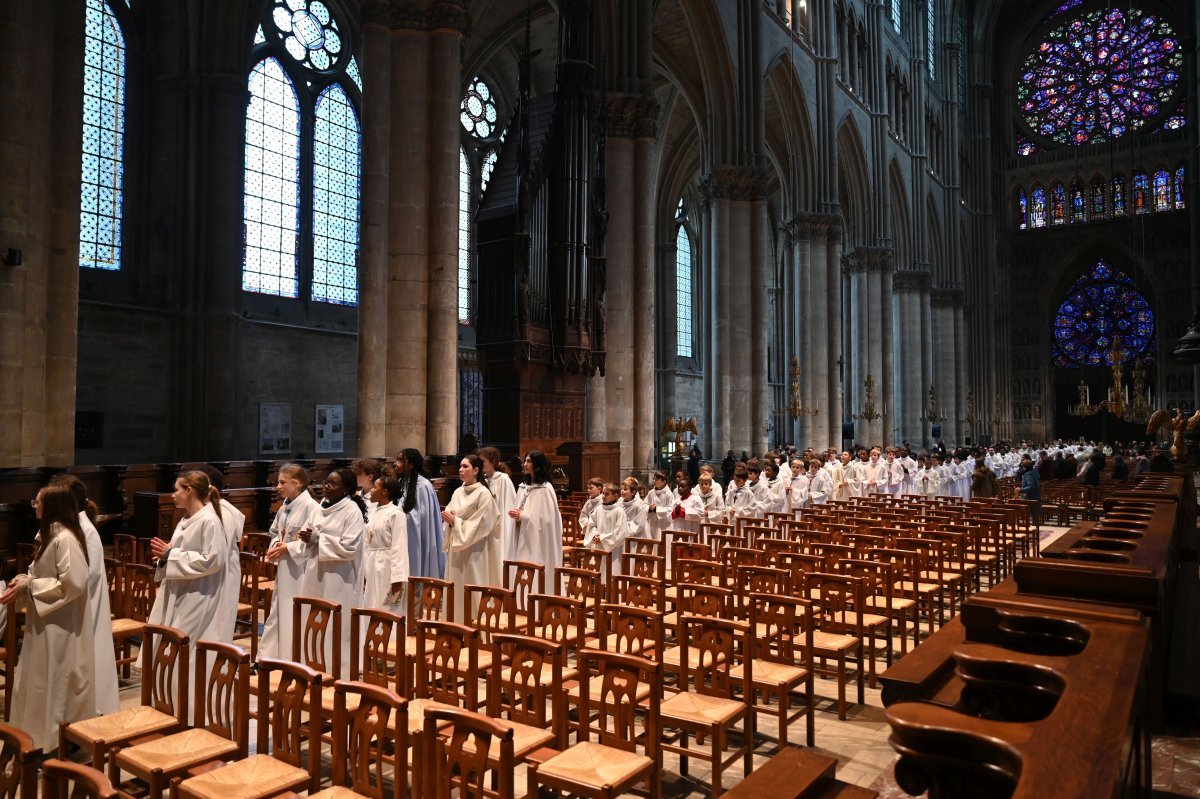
column 704, row 600
column 759, row 580
column 251, row 574
column 635, row 630
column 139, row 591
column 646, row 546
column 596, row 560
column 698, row 572
column 524, row 578
column 557, row 618
column 641, row 564
column 627, row 685
column 529, row 691
column 115, row 575
column 287, row 721
column 165, row 659
column 430, row 599
column 124, row 548
column 461, row 761
column 710, row 648
column 842, row 599
column 19, row 760
column 256, row 543
column 376, row 646
column 581, row 584
column 316, row 642
column 640, row 592
column 370, row 738
column 492, row 610
column 62, row 779
column 222, row 702
column 783, row 629
column 447, row 663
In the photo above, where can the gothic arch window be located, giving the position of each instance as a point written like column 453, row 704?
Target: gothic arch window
column 1099, row 196
column 1078, row 209
column 1141, row 186
column 1118, row 196
column 931, row 36
column 102, row 180
column 1179, row 181
column 1100, row 75
column 1022, row 210
column 1162, row 190
column 685, row 270
column 303, row 157
column 1102, row 304
column 1037, row 210
column 896, row 15
column 1058, row 204
column 477, row 159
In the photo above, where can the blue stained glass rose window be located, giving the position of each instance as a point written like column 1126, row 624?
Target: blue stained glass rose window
column 1100, row 76
column 1103, row 303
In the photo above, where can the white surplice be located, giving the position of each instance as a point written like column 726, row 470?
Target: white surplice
column 108, row 698
column 635, row 511
column 608, row 528
column 473, row 544
column 385, row 556
column 192, row 577
column 659, row 517
column 506, row 499
column 233, row 522
column 55, row 679
column 335, row 563
column 294, row 516
column 539, row 530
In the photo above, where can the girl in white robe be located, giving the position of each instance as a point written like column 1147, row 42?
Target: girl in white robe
column 609, row 527
column 108, row 698
column 538, row 520
column 472, row 540
column 634, row 507
column 385, row 554
column 55, row 679
column 190, row 568
column 233, row 522
column 659, row 501
column 335, row 551
column 290, row 555
column 501, row 486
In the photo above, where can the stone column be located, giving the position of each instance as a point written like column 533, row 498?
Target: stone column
column 833, row 330
column 761, row 264
column 910, row 346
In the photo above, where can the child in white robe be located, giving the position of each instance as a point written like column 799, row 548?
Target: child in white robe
column 820, row 483
column 797, row 488
column 659, row 502
column 594, row 488
column 712, row 508
column 474, row 548
column 290, row 554
column 385, row 553
column 634, row 507
column 716, row 487
column 687, row 512
column 609, row 526
column 773, row 493
column 740, row 502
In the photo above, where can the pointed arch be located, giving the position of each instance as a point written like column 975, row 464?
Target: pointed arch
column 901, row 232
column 717, row 77
column 937, row 255
column 789, row 131
column 853, row 182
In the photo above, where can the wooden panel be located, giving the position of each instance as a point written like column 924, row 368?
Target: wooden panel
column 588, row 459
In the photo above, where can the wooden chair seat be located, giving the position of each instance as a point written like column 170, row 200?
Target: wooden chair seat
column 526, row 739
column 833, row 642
column 692, row 708
column 178, row 752
column 337, row 792
column 768, row 672
column 125, row 627
column 643, row 691
column 124, row 725
column 244, row 607
column 410, row 646
column 416, row 713
column 671, row 657
column 907, row 587
column 256, row 776
column 880, row 603
column 595, row 765
column 327, row 694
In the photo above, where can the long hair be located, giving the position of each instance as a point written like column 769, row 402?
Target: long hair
column 350, row 484
column 392, row 486
column 541, row 467
column 59, row 505
column 207, row 492
column 79, row 491
column 295, row 471
column 416, row 468
column 477, row 463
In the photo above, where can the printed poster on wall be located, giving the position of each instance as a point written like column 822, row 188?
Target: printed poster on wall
column 329, row 429
column 274, row 428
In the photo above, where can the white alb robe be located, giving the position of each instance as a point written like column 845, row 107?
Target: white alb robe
column 820, row 487
column 635, row 511
column 797, row 497
column 774, row 497
column 108, row 698
column 192, row 577
column 741, row 502
column 233, row 522
column 585, row 515
column 473, row 544
column 539, row 530
column 659, row 517
column 711, row 505
column 506, row 499
column 294, row 516
column 55, row 679
column 335, row 563
column 385, row 556
column 608, row 529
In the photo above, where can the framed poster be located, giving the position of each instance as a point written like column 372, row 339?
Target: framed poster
column 329, row 426
column 274, row 428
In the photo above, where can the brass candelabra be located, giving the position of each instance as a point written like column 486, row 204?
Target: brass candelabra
column 931, row 413
column 868, row 413
column 795, row 406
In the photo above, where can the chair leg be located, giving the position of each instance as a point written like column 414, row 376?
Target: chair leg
column 841, row 681
column 717, row 760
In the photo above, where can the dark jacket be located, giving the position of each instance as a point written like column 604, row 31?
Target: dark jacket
column 1031, row 484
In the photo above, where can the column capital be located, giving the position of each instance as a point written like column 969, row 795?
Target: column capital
column 418, row 15
column 910, row 280
column 940, row 295
column 631, row 116
column 737, row 183
column 867, row 259
column 804, row 226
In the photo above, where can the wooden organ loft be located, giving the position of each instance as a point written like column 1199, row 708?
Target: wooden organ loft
column 540, row 254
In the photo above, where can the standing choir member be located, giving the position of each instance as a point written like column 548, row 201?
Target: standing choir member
column 708, row 469
column 55, row 679
column 659, row 501
column 290, row 554
column 774, row 496
column 421, row 505
column 820, row 483
column 366, row 472
column 634, row 507
column 740, row 499
column 797, row 488
column 609, row 527
column 688, row 510
column 472, row 539
column 501, row 486
column 233, row 523
column 107, row 691
column 335, row 551
column 385, row 556
column 712, row 508
column 190, row 569
column 595, row 487
column 538, row 520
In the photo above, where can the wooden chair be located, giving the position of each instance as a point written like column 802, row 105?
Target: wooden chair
column 644, row 564
column 448, row 665
column 374, row 656
column 461, row 761
column 880, row 588
column 19, row 760
column 256, row 544
column 524, row 579
column 782, row 652
column 748, row 580
column 132, row 609
column 708, row 707
column 558, row 619
column 62, row 779
column 839, row 630
column 317, row 643
column 631, row 630
column 246, row 623
column 586, row 586
column 491, row 610
column 428, row 599
column 125, row 548
column 370, row 737
column 9, row 654
column 222, row 723
column 287, row 733
column 596, row 560
column 613, row 688
column 527, row 696
column 639, row 592
column 164, row 703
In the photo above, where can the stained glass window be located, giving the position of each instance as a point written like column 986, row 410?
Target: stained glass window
column 1078, row 203
column 1058, row 204
column 1162, row 190
column 1099, row 192
column 931, row 36
column 301, row 121
column 1118, row 196
column 896, row 15
column 683, row 286
column 1100, row 76
column 101, row 190
column 271, row 213
column 1102, row 304
column 1037, row 214
column 1179, row 181
column 477, row 112
column 335, row 199
column 354, row 74
column 1025, row 146
column 1022, row 210
column 1065, row 7
column 464, row 237
column 487, row 167
column 1141, row 187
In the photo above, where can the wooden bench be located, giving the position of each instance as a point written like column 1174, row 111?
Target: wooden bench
column 797, row 774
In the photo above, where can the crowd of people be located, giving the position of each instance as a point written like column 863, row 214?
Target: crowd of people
column 377, row 525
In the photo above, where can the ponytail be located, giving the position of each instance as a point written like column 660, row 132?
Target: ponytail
column 362, row 506
column 214, row 499
column 199, row 482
